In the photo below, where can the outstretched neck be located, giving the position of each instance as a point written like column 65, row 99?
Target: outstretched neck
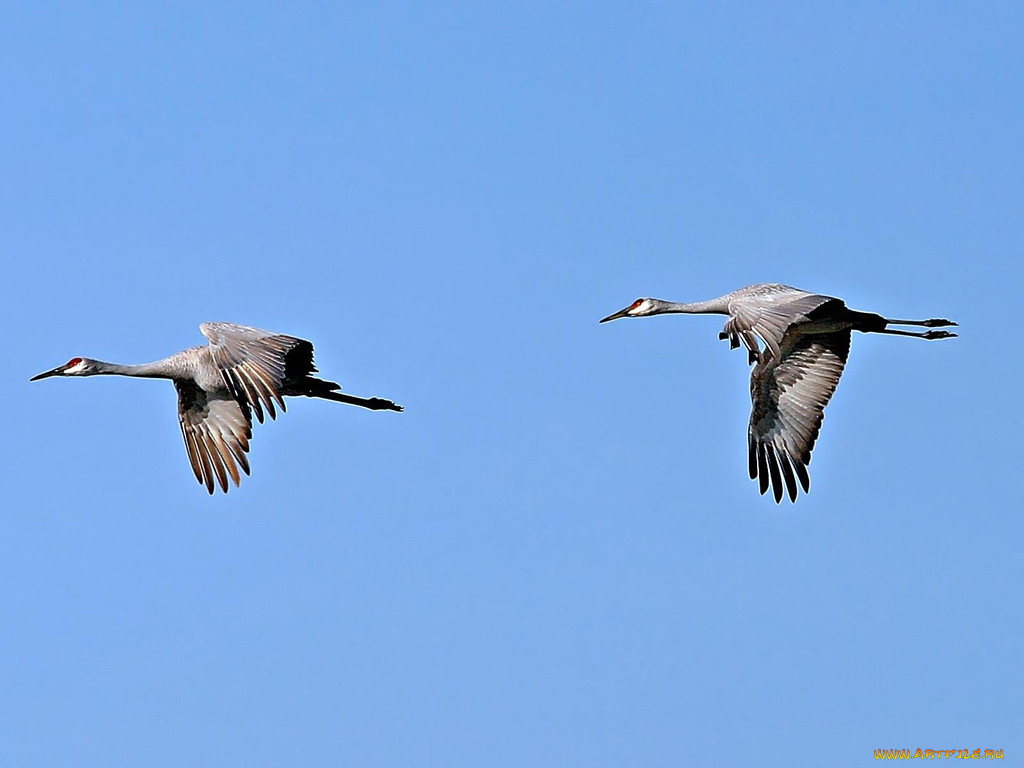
column 719, row 306
column 154, row 370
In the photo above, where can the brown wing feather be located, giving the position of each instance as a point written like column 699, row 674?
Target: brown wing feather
column 788, row 399
column 217, row 429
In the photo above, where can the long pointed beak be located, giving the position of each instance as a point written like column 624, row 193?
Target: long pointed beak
column 617, row 315
column 47, row 374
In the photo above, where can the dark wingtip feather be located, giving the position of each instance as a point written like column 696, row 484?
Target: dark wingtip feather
column 787, row 474
column 773, row 468
column 762, row 469
column 801, row 472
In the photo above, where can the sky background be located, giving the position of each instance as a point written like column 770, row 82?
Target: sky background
column 554, row 556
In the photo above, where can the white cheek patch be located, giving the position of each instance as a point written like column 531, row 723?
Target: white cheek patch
column 78, row 367
column 645, row 305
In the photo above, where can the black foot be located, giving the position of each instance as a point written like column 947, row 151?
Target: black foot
column 939, row 335
column 937, row 322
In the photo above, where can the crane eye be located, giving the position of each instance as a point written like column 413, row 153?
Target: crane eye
column 637, row 303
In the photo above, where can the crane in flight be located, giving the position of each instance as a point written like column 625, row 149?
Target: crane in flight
column 798, row 343
column 241, row 370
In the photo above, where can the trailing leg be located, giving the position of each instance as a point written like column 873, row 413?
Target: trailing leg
column 373, row 403
column 869, row 322
column 935, row 322
column 925, row 335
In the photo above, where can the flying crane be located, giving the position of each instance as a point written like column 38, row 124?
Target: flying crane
column 798, row 343
column 241, row 370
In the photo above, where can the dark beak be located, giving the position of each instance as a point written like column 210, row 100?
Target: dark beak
column 617, row 315
column 55, row 372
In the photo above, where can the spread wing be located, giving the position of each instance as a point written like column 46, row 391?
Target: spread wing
column 256, row 365
column 768, row 312
column 789, row 398
column 217, row 429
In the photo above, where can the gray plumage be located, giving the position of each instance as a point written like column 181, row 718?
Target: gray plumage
column 798, row 343
column 241, row 370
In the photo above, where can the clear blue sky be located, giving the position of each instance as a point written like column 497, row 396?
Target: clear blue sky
column 554, row 556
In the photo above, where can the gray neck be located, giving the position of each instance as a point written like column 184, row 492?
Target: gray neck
column 719, row 306
column 155, row 370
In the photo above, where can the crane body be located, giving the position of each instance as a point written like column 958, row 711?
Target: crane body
column 798, row 344
column 241, row 370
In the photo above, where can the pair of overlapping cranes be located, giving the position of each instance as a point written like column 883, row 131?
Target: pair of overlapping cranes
column 796, row 341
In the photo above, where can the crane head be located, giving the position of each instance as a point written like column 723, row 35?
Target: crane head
column 638, row 308
column 76, row 366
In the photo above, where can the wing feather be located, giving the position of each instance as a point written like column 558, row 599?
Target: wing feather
column 785, row 464
column 773, row 470
column 788, row 396
column 217, row 462
column 765, row 313
column 762, row 468
column 258, row 365
column 216, row 428
column 193, row 452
